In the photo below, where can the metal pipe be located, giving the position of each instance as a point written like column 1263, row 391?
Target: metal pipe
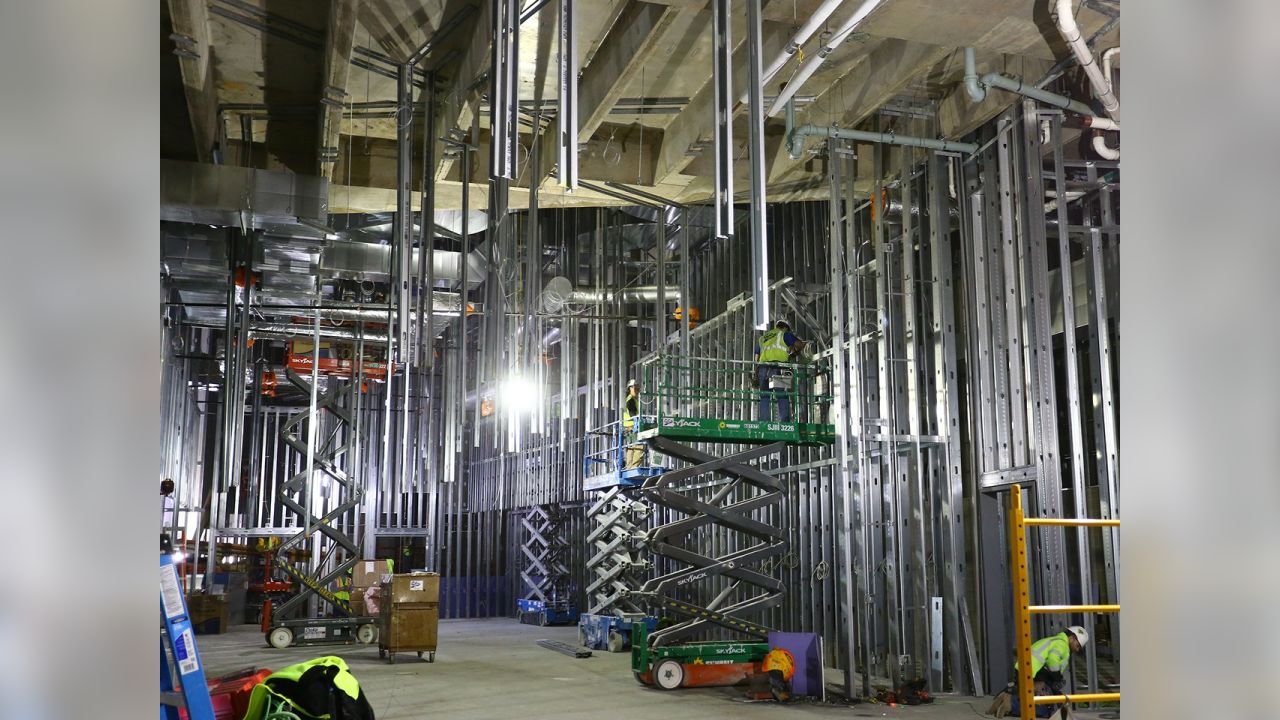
column 803, row 131
column 802, row 36
column 977, row 93
column 292, row 331
column 1019, row 87
column 755, row 122
column 567, row 102
column 977, row 88
column 808, row 69
column 722, row 79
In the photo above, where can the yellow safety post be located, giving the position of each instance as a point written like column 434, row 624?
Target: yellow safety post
column 1023, row 609
column 1021, row 600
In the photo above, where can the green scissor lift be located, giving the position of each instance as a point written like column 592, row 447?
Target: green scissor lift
column 707, row 400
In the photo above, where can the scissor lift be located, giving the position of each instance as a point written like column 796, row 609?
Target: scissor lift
column 283, row 627
column 710, row 401
column 616, row 565
column 548, row 597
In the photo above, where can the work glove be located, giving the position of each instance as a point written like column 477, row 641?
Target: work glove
column 1001, row 704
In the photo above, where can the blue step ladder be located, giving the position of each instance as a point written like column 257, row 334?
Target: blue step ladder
column 180, row 640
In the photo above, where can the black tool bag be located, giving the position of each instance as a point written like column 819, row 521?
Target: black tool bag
column 316, row 694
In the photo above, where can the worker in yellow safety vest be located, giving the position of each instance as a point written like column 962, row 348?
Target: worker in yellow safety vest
column 630, row 425
column 1049, row 658
column 775, row 347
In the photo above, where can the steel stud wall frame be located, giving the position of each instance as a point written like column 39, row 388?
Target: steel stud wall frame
column 967, row 304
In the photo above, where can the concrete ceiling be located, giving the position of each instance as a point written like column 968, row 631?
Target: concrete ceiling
column 313, row 75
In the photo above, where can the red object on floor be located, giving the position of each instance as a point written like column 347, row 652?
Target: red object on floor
column 230, row 694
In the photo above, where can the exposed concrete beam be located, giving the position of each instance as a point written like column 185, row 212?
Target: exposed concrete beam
column 339, row 37
column 887, row 71
column 191, row 30
column 460, row 102
column 624, row 49
column 1015, row 27
column 694, row 123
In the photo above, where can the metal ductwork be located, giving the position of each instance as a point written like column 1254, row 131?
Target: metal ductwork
column 351, row 260
column 446, row 304
column 300, row 331
column 243, row 197
column 559, row 292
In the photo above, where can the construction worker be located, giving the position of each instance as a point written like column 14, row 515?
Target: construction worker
column 630, row 422
column 1049, row 658
column 776, row 346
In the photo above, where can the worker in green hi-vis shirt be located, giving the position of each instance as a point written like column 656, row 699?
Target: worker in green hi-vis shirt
column 1050, row 657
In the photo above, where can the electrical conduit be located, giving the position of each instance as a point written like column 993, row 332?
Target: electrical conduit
column 802, row 36
column 807, row 70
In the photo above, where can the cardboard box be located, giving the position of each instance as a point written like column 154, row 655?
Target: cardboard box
column 415, row 588
column 357, row 604
column 366, row 573
column 208, row 613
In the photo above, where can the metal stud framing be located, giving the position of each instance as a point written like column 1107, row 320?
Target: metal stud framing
column 969, row 312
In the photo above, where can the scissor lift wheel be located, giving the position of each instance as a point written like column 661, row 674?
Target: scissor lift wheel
column 668, row 674
column 366, row 634
column 280, row 638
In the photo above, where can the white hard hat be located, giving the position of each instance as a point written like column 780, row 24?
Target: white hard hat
column 633, row 383
column 1081, row 635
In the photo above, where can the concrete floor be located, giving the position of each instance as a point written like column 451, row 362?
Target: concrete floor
column 493, row 669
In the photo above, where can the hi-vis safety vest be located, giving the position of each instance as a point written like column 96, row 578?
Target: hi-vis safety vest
column 627, row 421
column 773, row 346
column 1051, row 653
column 282, row 685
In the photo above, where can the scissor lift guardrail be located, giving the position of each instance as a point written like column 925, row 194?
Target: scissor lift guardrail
column 714, row 400
column 1023, row 609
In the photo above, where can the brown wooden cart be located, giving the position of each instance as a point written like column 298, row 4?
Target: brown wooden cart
column 409, row 616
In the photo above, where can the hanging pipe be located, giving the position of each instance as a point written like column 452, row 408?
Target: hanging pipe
column 977, row 88
column 807, row 70
column 1099, row 142
column 802, row 36
column 796, row 135
column 1071, row 33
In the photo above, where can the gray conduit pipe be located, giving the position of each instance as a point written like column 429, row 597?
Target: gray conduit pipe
column 796, row 136
column 977, row 88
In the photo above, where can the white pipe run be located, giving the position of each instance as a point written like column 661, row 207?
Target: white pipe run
column 1099, row 142
column 1071, row 33
column 807, row 70
column 802, row 36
